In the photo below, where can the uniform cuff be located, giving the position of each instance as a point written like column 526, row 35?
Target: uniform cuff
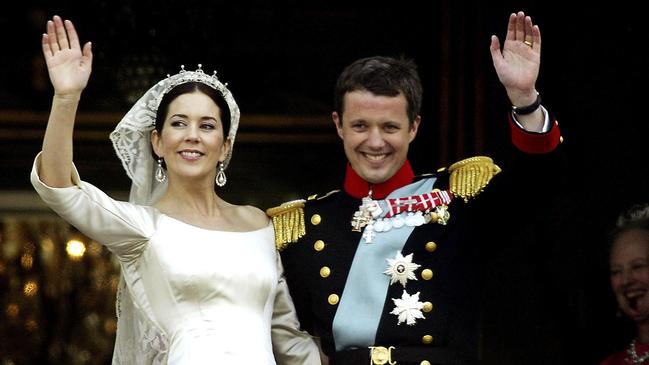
column 532, row 142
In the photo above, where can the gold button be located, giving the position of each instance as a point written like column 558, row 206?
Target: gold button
column 561, row 139
column 333, row 299
column 315, row 219
column 428, row 306
column 318, row 245
column 427, row 339
column 425, row 362
column 431, row 246
column 427, row 274
column 325, row 271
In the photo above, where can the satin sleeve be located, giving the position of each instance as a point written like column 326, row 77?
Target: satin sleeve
column 291, row 345
column 124, row 228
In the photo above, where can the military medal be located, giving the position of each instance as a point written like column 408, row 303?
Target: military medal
column 359, row 220
column 410, row 211
column 408, row 308
column 414, row 211
column 398, row 222
column 369, row 234
column 423, row 202
column 442, row 215
column 362, row 216
column 365, row 217
column 401, row 269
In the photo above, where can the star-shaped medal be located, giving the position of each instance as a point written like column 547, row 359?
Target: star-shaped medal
column 408, row 308
column 401, row 269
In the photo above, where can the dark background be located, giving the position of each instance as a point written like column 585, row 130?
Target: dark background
column 281, row 61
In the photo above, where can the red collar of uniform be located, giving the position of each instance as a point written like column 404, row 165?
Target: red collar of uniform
column 358, row 188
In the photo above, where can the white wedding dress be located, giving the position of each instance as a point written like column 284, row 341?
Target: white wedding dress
column 188, row 295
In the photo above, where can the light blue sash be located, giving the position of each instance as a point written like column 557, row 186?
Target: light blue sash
column 361, row 305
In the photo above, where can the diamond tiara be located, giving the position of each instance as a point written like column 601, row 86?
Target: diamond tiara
column 185, row 76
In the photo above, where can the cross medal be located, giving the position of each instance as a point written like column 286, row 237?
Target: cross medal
column 364, row 217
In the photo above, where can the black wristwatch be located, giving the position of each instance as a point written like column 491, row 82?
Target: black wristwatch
column 522, row 110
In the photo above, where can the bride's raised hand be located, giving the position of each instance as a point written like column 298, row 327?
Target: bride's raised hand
column 69, row 65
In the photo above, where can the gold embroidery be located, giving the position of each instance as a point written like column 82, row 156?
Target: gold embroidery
column 288, row 220
column 470, row 176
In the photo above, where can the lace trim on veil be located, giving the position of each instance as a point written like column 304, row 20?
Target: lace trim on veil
column 138, row 340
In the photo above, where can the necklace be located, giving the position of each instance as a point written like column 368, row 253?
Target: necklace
column 633, row 357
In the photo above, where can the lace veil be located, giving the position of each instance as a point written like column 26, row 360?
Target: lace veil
column 131, row 137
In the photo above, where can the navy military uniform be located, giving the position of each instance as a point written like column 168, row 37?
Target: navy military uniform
column 408, row 296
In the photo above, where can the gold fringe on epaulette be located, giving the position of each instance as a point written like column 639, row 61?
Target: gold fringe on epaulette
column 288, row 220
column 470, row 176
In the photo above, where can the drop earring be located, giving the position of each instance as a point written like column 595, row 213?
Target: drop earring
column 220, row 175
column 160, row 174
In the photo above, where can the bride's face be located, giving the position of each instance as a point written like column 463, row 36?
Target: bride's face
column 192, row 141
column 629, row 264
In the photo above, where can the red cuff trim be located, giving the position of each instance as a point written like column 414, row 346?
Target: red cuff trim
column 530, row 142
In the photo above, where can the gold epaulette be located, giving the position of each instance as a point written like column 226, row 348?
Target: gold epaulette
column 470, row 176
column 288, row 220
